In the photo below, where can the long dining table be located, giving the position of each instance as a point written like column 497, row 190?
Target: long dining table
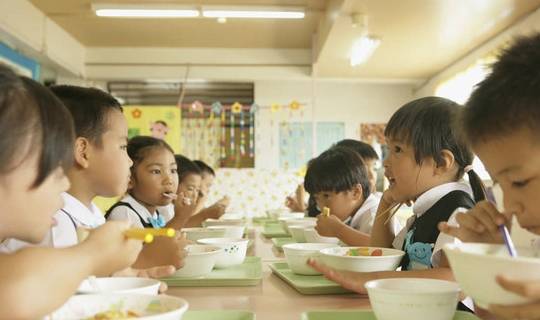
column 272, row 298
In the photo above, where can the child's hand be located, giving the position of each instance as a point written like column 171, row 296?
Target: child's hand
column 390, row 198
column 170, row 250
column 184, row 206
column 480, row 224
column 353, row 281
column 292, row 204
column 525, row 288
column 114, row 251
column 154, row 273
column 329, row 226
column 224, row 202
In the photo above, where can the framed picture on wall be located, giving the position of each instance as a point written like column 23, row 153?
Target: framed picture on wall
column 19, row 63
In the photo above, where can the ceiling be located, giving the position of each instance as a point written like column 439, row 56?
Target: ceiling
column 419, row 37
column 76, row 17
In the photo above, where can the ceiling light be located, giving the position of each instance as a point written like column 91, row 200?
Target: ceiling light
column 364, row 46
column 144, row 11
column 253, row 12
column 363, row 49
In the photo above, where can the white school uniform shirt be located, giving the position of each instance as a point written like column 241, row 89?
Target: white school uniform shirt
column 125, row 213
column 64, row 233
column 424, row 203
column 364, row 218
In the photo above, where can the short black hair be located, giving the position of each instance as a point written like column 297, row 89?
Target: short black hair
column 365, row 150
column 186, row 167
column 428, row 125
column 139, row 146
column 204, row 167
column 335, row 170
column 31, row 118
column 89, row 107
column 508, row 98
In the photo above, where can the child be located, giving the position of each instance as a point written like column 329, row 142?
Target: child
column 36, row 138
column 190, row 184
column 425, row 163
column 370, row 157
column 338, row 179
column 208, row 175
column 153, row 184
column 502, row 123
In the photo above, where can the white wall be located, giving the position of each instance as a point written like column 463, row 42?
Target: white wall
column 345, row 101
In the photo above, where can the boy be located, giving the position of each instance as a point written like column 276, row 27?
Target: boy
column 338, row 179
column 208, row 175
column 502, row 123
column 101, row 168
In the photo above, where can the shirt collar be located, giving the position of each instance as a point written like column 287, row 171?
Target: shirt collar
column 427, row 199
column 141, row 210
column 89, row 217
column 371, row 203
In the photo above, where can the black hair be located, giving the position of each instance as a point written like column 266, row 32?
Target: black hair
column 508, row 99
column 186, row 167
column 31, row 118
column 139, row 146
column 337, row 169
column 428, row 125
column 90, row 108
column 204, row 167
column 161, row 122
column 365, row 150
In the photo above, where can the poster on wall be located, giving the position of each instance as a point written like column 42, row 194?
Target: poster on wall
column 373, row 133
column 21, row 64
column 162, row 122
column 295, row 144
column 328, row 133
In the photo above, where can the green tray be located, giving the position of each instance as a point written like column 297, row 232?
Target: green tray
column 279, row 242
column 263, row 220
column 219, row 314
column 274, row 230
column 306, row 284
column 365, row 315
column 248, row 273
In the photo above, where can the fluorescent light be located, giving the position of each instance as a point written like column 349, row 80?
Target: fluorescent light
column 253, row 12
column 363, row 49
column 144, row 11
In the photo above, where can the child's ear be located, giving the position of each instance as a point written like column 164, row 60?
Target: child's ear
column 447, row 162
column 80, row 151
column 358, row 192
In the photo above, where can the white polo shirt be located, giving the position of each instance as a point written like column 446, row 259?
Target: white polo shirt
column 74, row 214
column 126, row 213
column 423, row 204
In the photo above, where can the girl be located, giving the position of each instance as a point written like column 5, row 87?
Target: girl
column 153, row 185
column 424, row 167
column 36, row 138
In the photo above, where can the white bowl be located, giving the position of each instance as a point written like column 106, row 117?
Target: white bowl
column 200, row 261
column 275, row 213
column 149, row 307
column 410, row 298
column 306, row 222
column 195, row 234
column 297, row 232
column 475, row 266
column 337, row 258
column 232, row 216
column 229, row 231
column 234, row 250
column 313, row 236
column 297, row 255
column 120, row 285
column 223, row 222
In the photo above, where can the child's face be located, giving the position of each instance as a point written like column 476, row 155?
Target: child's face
column 408, row 179
column 190, row 186
column 155, row 177
column 341, row 204
column 206, row 182
column 108, row 164
column 372, row 174
column 27, row 214
column 513, row 161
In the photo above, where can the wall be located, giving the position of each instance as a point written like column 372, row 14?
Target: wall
column 325, row 100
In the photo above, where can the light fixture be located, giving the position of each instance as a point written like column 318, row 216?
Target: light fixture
column 364, row 46
column 144, row 11
column 253, row 12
